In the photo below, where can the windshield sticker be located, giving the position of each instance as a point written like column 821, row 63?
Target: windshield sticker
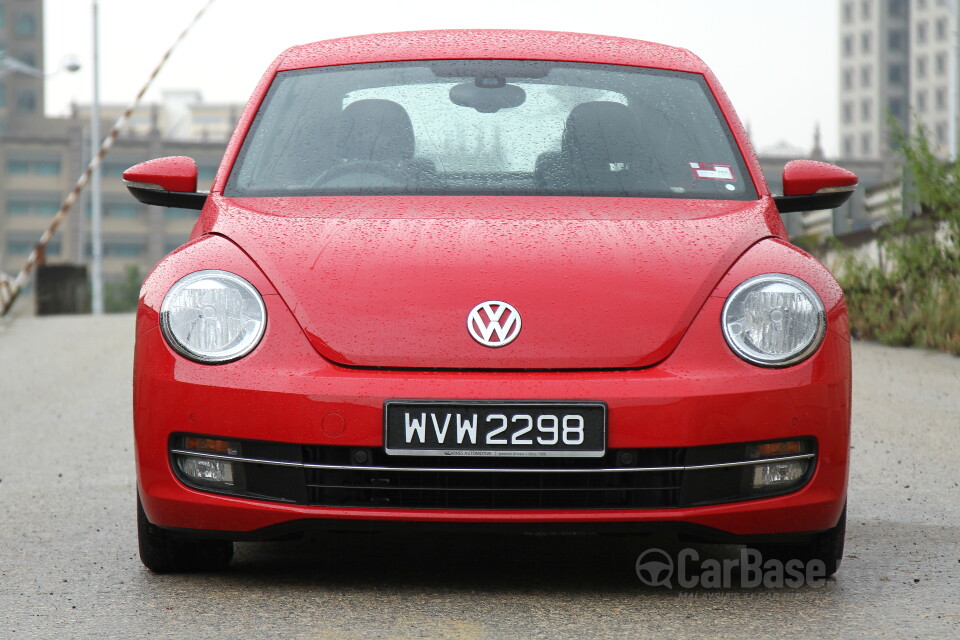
column 707, row 171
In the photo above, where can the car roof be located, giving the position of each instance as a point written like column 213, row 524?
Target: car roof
column 492, row 44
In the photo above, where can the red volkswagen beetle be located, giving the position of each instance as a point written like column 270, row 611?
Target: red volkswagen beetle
column 490, row 278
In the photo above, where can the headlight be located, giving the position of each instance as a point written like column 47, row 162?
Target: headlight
column 213, row 316
column 774, row 320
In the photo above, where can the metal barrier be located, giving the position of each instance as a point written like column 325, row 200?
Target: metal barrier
column 7, row 292
column 11, row 288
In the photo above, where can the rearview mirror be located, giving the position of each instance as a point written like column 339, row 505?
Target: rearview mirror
column 810, row 186
column 166, row 182
column 487, row 94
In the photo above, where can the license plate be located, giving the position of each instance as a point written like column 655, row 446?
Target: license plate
column 494, row 428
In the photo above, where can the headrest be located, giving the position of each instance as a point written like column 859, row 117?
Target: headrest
column 378, row 130
column 602, row 133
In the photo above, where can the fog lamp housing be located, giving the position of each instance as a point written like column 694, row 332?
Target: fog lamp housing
column 205, row 461
column 779, row 474
column 206, row 471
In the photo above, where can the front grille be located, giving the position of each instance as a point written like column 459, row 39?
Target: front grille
column 660, row 478
column 413, row 482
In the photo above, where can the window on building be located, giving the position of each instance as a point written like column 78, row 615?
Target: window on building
column 41, row 167
column 922, row 66
column 896, row 7
column 865, row 9
column 116, row 168
column 866, row 41
column 942, row 134
column 941, row 64
column 893, row 140
column 943, row 29
column 921, row 32
column 866, row 76
column 847, row 146
column 27, row 101
column 897, row 108
column 19, row 206
column 113, row 169
column 848, row 112
column 47, row 167
column 27, row 57
column 121, row 210
column 896, row 40
column 865, row 109
column 848, row 12
column 921, row 101
column 941, row 99
column 123, row 249
column 25, row 24
column 848, row 45
column 17, row 167
column 848, row 79
column 22, row 245
column 866, row 146
column 895, row 74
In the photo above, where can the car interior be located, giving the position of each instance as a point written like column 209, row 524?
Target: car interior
column 559, row 132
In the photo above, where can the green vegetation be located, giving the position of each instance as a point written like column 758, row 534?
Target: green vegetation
column 913, row 297
column 122, row 296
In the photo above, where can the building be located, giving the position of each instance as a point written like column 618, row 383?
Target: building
column 39, row 166
column 932, row 29
column 895, row 63
column 21, row 57
column 42, row 158
column 180, row 115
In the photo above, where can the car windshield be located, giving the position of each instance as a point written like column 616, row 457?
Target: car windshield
column 490, row 127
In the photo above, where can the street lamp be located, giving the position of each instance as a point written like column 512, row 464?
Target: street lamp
column 9, row 65
column 96, row 208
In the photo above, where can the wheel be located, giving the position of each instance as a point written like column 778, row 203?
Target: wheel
column 161, row 552
column 826, row 546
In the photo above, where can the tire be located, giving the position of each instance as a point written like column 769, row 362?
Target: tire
column 161, row 552
column 826, row 546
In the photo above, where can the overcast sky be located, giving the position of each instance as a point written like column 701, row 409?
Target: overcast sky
column 777, row 60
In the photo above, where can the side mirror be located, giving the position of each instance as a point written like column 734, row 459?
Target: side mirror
column 811, row 186
column 166, row 182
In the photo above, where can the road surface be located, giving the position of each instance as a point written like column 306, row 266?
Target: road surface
column 69, row 565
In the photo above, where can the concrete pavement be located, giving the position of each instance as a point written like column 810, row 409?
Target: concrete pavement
column 69, row 565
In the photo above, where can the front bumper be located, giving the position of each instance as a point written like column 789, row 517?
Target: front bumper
column 700, row 396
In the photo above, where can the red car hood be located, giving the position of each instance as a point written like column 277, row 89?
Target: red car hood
column 389, row 282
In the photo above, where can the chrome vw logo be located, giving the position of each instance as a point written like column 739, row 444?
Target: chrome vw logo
column 494, row 323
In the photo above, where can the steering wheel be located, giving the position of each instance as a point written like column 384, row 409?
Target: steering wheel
column 393, row 172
